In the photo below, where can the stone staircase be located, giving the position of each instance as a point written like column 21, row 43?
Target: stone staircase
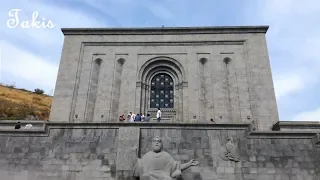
column 168, row 115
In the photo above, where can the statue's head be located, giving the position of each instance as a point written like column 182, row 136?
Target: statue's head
column 157, row 144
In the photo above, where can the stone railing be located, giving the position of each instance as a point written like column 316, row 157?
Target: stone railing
column 9, row 125
column 42, row 128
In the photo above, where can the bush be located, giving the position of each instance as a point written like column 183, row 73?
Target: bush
column 11, row 86
column 22, row 89
column 38, row 91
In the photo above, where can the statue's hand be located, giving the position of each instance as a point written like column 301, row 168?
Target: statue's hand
column 194, row 162
column 176, row 174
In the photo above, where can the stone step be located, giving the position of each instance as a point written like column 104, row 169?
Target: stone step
column 162, row 119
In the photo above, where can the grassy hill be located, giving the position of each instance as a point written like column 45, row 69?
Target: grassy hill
column 21, row 103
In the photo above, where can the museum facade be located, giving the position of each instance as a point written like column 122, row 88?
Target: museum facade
column 194, row 74
column 214, row 86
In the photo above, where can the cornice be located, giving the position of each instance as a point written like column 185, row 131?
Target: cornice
column 296, row 125
column 166, row 30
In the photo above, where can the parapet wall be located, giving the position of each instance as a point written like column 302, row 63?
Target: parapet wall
column 310, row 126
column 81, row 151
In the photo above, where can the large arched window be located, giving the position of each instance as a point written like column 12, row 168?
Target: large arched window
column 161, row 95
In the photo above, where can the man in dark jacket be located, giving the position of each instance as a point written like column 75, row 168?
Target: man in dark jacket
column 18, row 126
column 138, row 117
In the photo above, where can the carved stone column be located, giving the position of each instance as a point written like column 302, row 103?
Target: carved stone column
column 147, row 99
column 143, row 98
column 184, row 101
column 177, row 103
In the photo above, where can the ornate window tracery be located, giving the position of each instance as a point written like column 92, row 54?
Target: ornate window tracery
column 161, row 95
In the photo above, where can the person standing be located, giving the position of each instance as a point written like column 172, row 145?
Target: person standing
column 159, row 115
column 28, row 126
column 132, row 117
column 147, row 118
column 121, row 118
column 17, row 126
column 138, row 117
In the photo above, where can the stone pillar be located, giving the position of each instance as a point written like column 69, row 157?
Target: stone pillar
column 128, row 146
column 177, row 103
column 142, row 98
column 219, row 89
column 68, row 80
column 180, row 111
column 185, row 102
column 131, row 82
column 193, row 87
column 147, row 99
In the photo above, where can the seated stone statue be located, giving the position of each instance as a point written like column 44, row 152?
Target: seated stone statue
column 159, row 165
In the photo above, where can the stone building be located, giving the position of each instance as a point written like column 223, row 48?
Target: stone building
column 196, row 76
column 193, row 74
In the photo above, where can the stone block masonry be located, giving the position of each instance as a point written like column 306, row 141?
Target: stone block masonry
column 213, row 84
column 218, row 73
column 99, row 151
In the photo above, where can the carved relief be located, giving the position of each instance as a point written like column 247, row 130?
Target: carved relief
column 251, row 121
column 230, row 152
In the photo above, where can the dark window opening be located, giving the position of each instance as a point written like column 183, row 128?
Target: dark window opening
column 162, row 93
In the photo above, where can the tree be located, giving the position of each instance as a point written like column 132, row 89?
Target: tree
column 38, row 91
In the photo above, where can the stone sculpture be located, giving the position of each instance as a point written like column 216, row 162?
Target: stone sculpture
column 159, row 165
column 230, row 152
column 253, row 125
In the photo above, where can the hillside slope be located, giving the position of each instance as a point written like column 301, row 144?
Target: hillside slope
column 23, row 104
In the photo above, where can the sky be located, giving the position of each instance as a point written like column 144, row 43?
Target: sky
column 30, row 56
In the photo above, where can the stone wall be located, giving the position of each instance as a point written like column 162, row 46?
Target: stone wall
column 66, row 154
column 261, row 158
column 97, row 151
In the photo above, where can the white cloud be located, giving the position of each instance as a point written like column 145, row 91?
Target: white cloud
column 290, row 34
column 293, row 43
column 27, row 66
column 287, row 84
column 26, row 52
column 60, row 16
column 308, row 116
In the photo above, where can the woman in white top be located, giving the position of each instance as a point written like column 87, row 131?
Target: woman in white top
column 131, row 117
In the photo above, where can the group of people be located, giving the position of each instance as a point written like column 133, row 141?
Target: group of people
column 18, row 126
column 139, row 117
